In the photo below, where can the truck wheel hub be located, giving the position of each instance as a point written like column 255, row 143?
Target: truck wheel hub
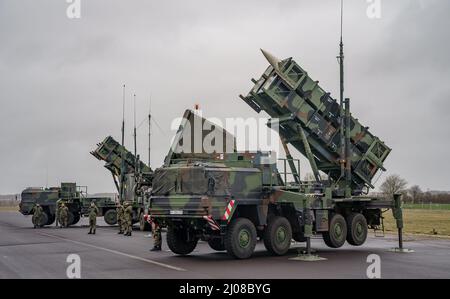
column 244, row 238
column 338, row 230
column 281, row 234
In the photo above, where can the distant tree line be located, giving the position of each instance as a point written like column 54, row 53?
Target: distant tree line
column 8, row 203
column 414, row 194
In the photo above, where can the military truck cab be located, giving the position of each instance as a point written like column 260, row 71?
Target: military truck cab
column 46, row 197
column 74, row 197
column 234, row 201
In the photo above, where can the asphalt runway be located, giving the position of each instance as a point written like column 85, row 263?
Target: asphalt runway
column 41, row 253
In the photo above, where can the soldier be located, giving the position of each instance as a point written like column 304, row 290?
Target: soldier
column 64, row 215
column 37, row 215
column 128, row 219
column 156, row 232
column 93, row 212
column 120, row 218
column 57, row 209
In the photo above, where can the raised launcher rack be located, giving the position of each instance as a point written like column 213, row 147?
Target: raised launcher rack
column 110, row 151
column 286, row 92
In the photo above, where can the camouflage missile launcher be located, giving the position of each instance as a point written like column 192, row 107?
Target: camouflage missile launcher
column 75, row 198
column 110, row 151
column 137, row 176
column 285, row 91
column 229, row 199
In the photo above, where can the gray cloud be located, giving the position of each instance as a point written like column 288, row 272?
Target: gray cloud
column 61, row 79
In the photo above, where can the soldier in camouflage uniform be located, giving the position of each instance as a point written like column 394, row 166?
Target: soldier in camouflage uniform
column 93, row 212
column 156, row 233
column 128, row 219
column 120, row 218
column 64, row 216
column 57, row 210
column 37, row 215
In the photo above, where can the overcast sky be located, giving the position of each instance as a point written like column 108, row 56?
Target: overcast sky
column 61, row 79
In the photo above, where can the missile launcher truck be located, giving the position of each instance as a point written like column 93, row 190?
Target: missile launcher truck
column 75, row 198
column 136, row 177
column 230, row 199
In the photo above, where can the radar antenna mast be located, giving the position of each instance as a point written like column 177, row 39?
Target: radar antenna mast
column 341, row 95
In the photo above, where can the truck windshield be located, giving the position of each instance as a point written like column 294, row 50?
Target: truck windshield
column 184, row 180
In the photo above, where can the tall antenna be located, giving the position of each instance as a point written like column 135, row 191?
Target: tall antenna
column 134, row 132
column 46, row 176
column 122, row 166
column 123, row 116
column 149, row 131
column 342, row 14
column 341, row 93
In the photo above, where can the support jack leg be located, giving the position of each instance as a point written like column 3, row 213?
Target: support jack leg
column 400, row 248
column 306, row 255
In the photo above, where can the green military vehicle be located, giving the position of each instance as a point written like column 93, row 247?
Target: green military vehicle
column 75, row 198
column 137, row 177
column 231, row 199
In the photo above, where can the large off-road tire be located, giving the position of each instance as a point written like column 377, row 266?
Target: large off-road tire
column 178, row 243
column 76, row 219
column 44, row 219
column 70, row 218
column 278, row 235
column 144, row 225
column 50, row 218
column 337, row 232
column 240, row 240
column 356, row 229
column 217, row 244
column 110, row 217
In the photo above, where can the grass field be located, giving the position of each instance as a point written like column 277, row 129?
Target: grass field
column 9, row 208
column 427, row 206
column 421, row 221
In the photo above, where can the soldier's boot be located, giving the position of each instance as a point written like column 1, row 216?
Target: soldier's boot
column 94, row 232
column 90, row 231
column 120, row 232
column 156, row 248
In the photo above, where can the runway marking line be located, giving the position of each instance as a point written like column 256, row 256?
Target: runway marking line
column 118, row 253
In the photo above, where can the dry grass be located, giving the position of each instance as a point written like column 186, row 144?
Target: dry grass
column 9, row 208
column 429, row 222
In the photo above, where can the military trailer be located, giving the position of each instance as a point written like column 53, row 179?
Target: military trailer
column 137, row 177
column 231, row 199
column 74, row 197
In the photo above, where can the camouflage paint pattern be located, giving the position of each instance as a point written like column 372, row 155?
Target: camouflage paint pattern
column 288, row 92
column 67, row 193
column 32, row 196
column 110, row 151
column 202, row 189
